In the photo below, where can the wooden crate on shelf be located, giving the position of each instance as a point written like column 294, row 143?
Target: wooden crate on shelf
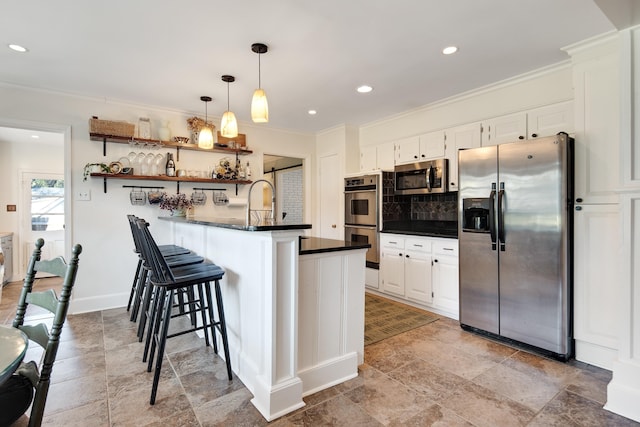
column 240, row 140
column 111, row 128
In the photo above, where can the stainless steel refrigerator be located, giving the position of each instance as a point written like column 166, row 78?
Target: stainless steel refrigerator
column 515, row 235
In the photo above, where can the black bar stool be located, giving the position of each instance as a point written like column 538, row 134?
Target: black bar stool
column 176, row 256
column 191, row 280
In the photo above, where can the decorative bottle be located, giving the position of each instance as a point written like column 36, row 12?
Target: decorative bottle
column 240, row 169
column 247, row 171
column 170, row 168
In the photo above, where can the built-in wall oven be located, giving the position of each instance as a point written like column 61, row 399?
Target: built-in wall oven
column 361, row 213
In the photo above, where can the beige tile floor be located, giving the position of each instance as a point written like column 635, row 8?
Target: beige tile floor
column 433, row 375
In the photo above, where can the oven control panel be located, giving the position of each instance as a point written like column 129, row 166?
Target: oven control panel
column 361, row 182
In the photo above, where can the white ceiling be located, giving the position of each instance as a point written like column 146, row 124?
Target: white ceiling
column 168, row 54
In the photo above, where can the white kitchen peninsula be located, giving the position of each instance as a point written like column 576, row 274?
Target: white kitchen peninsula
column 294, row 306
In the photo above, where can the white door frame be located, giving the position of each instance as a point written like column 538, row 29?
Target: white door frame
column 65, row 130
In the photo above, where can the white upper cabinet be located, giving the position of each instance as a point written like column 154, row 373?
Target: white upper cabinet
column 385, row 156
column 377, row 157
column 418, row 148
column 467, row 136
column 504, row 129
column 432, row 145
column 536, row 123
column 549, row 120
column 408, row 150
column 368, row 158
column 597, row 118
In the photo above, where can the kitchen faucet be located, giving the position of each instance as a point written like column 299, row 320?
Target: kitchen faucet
column 273, row 200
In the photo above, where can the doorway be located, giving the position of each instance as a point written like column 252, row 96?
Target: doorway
column 35, row 151
column 287, row 176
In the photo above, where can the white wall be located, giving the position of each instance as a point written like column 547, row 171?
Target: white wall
column 107, row 262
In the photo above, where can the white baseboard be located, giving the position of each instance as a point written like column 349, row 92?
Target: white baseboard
column 102, row 302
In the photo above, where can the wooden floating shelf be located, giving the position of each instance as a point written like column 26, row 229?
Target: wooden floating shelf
column 164, row 144
column 177, row 179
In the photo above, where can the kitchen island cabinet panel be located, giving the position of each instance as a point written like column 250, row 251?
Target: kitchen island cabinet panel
column 294, row 307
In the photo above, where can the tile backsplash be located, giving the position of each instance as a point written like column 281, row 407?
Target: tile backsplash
column 430, row 207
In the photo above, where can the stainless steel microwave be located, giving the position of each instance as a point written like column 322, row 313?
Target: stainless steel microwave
column 422, row 177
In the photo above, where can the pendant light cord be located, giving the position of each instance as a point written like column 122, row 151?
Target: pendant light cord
column 259, row 73
column 228, row 96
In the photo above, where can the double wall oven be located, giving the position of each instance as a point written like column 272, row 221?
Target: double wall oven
column 362, row 213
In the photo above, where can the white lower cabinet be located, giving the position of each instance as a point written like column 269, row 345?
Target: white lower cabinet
column 392, row 264
column 597, row 283
column 421, row 270
column 445, row 276
column 417, row 270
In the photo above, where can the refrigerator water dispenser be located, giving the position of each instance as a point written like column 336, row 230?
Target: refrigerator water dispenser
column 477, row 215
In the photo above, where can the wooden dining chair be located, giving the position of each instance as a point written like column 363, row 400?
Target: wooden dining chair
column 39, row 333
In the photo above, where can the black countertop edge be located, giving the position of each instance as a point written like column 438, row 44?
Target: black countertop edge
column 421, row 233
column 316, row 245
column 235, row 223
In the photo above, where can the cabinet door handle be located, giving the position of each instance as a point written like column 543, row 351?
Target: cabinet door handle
column 415, row 157
column 435, row 260
column 579, row 200
column 521, row 137
column 400, row 254
column 447, row 249
column 534, row 135
column 578, row 208
column 333, row 226
column 407, row 256
column 417, row 246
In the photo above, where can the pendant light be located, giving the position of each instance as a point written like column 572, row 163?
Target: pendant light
column 205, row 136
column 259, row 105
column 229, row 125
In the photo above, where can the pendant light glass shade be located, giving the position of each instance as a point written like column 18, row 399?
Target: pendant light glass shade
column 205, row 138
column 259, row 105
column 228, row 125
column 205, row 135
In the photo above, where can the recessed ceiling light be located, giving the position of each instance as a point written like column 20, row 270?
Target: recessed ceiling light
column 364, row 89
column 312, row 112
column 449, row 50
column 17, row 48
column 35, row 136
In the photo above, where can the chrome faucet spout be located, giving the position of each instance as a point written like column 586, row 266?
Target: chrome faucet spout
column 273, row 200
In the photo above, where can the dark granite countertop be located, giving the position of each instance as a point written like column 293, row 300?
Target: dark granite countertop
column 446, row 229
column 236, row 223
column 315, row 245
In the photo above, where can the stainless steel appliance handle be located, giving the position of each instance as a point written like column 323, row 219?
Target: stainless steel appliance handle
column 501, row 233
column 358, row 190
column 365, row 227
column 429, row 178
column 492, row 217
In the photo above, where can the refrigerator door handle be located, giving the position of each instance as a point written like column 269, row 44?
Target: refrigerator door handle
column 492, row 217
column 501, row 217
column 429, row 172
